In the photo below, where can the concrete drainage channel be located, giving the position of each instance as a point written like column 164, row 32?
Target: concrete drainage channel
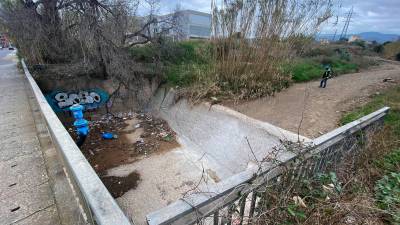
column 215, row 143
column 220, row 140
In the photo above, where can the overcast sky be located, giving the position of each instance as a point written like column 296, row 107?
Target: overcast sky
column 369, row 15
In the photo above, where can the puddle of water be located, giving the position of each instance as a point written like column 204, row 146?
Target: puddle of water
column 118, row 186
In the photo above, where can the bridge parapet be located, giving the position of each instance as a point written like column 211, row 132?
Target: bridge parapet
column 97, row 203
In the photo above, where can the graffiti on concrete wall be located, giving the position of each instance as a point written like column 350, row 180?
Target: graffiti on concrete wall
column 91, row 99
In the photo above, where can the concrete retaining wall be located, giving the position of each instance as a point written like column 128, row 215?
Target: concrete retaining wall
column 226, row 141
column 99, row 205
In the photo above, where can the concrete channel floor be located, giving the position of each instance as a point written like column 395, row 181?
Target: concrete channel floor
column 26, row 196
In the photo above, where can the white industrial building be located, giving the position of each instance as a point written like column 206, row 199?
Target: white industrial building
column 192, row 25
column 189, row 24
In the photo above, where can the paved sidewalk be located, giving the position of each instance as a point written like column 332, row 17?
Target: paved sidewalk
column 26, row 196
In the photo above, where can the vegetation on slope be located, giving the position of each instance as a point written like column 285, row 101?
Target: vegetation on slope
column 387, row 188
column 392, row 50
column 312, row 68
column 385, row 163
column 342, row 59
column 361, row 190
column 192, row 66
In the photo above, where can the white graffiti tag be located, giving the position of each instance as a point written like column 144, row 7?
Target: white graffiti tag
column 83, row 97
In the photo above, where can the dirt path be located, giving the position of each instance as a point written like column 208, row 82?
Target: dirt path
column 322, row 107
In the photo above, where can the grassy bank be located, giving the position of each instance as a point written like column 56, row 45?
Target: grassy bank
column 182, row 62
column 389, row 98
column 384, row 164
column 302, row 69
column 342, row 60
column 199, row 70
column 310, row 69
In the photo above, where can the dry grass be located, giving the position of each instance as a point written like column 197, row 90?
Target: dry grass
column 357, row 201
column 252, row 40
column 391, row 50
column 356, row 204
column 351, row 201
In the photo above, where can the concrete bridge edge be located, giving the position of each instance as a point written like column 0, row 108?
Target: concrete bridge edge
column 67, row 205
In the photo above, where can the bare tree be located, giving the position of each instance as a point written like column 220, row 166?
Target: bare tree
column 87, row 36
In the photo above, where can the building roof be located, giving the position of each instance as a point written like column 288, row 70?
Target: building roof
column 195, row 12
column 189, row 11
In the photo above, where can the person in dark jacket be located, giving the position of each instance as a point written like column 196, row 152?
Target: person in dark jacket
column 327, row 74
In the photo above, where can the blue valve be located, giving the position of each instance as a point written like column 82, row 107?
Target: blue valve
column 77, row 111
column 81, row 125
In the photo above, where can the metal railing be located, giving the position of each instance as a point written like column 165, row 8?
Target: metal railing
column 99, row 206
column 241, row 190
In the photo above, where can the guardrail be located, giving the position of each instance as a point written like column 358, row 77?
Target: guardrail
column 97, row 202
column 240, row 191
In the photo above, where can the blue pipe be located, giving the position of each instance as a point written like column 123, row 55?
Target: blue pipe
column 81, row 125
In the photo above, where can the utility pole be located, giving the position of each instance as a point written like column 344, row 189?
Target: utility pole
column 346, row 25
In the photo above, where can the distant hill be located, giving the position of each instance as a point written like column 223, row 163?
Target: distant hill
column 379, row 37
column 368, row 36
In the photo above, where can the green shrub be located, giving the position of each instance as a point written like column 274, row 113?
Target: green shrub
column 389, row 98
column 189, row 52
column 313, row 68
column 186, row 73
column 305, row 70
column 173, row 52
column 187, row 61
column 343, row 67
column 390, row 162
column 146, row 53
column 378, row 48
column 182, row 60
column 386, row 43
column 387, row 194
column 360, row 43
column 180, row 75
column 296, row 212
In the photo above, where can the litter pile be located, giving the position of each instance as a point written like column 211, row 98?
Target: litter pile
column 120, row 139
column 156, row 135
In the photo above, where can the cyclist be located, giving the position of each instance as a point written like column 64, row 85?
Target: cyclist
column 327, row 74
